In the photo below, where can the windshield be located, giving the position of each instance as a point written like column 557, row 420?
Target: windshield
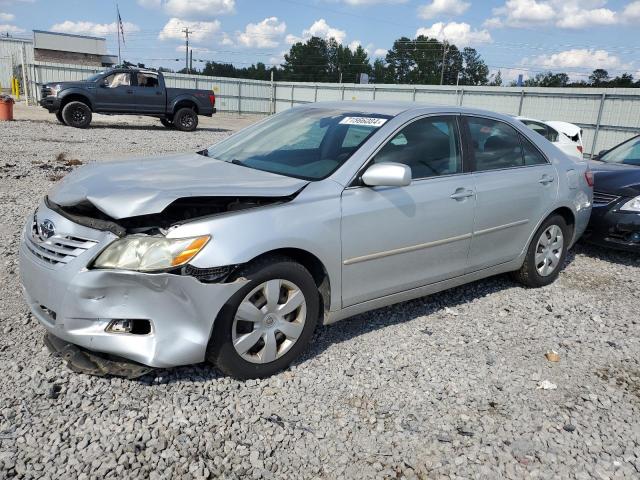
column 308, row 143
column 95, row 77
column 627, row 153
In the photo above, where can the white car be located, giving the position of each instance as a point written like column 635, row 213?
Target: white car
column 566, row 136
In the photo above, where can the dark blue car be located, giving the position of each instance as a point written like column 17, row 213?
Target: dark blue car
column 615, row 218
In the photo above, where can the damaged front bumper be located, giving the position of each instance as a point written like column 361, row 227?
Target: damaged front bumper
column 82, row 360
column 77, row 304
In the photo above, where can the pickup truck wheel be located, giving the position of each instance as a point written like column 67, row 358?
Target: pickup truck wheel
column 167, row 123
column 185, row 120
column 268, row 323
column 76, row 114
column 59, row 117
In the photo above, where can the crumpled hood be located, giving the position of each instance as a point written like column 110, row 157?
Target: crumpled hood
column 616, row 178
column 143, row 186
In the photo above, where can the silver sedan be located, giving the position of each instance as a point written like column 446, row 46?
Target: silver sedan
column 234, row 254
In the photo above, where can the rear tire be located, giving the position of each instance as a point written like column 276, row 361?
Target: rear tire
column 167, row 123
column 76, row 114
column 59, row 117
column 546, row 253
column 242, row 337
column 185, row 120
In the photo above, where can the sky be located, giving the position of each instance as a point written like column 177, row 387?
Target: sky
column 513, row 36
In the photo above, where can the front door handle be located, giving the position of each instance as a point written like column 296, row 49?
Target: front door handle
column 462, row 193
column 546, row 179
column 129, row 91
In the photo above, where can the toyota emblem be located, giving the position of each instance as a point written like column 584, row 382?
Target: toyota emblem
column 46, row 229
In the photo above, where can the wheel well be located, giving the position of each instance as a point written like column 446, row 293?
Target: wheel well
column 315, row 268
column 185, row 104
column 568, row 216
column 75, row 98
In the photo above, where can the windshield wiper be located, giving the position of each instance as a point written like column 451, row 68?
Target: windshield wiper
column 204, row 153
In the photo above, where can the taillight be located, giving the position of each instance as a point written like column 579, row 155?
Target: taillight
column 212, row 100
column 588, row 176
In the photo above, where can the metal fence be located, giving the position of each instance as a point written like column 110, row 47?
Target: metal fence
column 607, row 116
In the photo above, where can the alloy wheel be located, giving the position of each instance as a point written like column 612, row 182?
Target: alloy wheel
column 549, row 250
column 269, row 321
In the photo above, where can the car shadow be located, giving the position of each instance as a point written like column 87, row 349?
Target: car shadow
column 345, row 330
column 620, row 257
column 153, row 127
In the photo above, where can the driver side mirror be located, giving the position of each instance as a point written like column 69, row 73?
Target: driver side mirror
column 387, row 174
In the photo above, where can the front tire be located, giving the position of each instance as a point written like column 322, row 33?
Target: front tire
column 268, row 323
column 185, row 120
column 76, row 114
column 59, row 117
column 546, row 253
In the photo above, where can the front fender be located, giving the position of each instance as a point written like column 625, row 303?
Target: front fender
column 76, row 92
column 310, row 222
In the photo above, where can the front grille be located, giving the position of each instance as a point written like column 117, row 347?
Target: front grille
column 601, row 198
column 58, row 249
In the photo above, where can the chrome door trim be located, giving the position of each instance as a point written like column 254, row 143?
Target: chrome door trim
column 411, row 248
column 501, row 227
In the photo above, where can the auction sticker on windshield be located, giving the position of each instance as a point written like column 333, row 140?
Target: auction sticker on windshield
column 368, row 121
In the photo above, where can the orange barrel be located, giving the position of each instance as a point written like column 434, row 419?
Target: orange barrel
column 6, row 107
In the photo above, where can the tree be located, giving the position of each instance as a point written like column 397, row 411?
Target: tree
column 308, row 62
column 548, row 79
column 496, row 80
column 625, row 81
column 400, row 60
column 599, row 77
column 474, row 71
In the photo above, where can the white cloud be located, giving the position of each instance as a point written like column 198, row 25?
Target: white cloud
column 632, row 11
column 91, row 28
column 291, row 39
column 365, row 3
column 182, row 48
column 460, row 34
column 570, row 14
column 7, row 17
column 320, row 28
column 443, row 7
column 200, row 31
column 578, row 58
column 278, row 60
column 380, row 52
column 5, row 28
column 150, row 3
column 192, row 9
column 266, row 34
column 199, row 8
column 226, row 40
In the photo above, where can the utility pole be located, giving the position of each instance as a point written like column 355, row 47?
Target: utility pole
column 186, row 50
column 191, row 61
column 444, row 57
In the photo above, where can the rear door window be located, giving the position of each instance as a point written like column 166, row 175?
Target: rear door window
column 495, row 144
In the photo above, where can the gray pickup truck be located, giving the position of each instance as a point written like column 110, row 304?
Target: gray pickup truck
column 126, row 91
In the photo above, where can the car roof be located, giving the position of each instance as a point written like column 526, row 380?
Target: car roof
column 395, row 108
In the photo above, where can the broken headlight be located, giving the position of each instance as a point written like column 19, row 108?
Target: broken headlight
column 149, row 254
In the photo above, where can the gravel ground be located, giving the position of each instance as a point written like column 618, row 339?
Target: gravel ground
column 441, row 387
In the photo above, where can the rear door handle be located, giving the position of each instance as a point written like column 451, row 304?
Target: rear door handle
column 462, row 193
column 129, row 91
column 546, row 179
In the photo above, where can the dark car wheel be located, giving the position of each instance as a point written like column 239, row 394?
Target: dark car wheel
column 76, row 114
column 59, row 117
column 546, row 253
column 167, row 123
column 268, row 322
column 185, row 120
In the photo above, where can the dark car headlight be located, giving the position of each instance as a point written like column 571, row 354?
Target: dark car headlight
column 632, row 205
